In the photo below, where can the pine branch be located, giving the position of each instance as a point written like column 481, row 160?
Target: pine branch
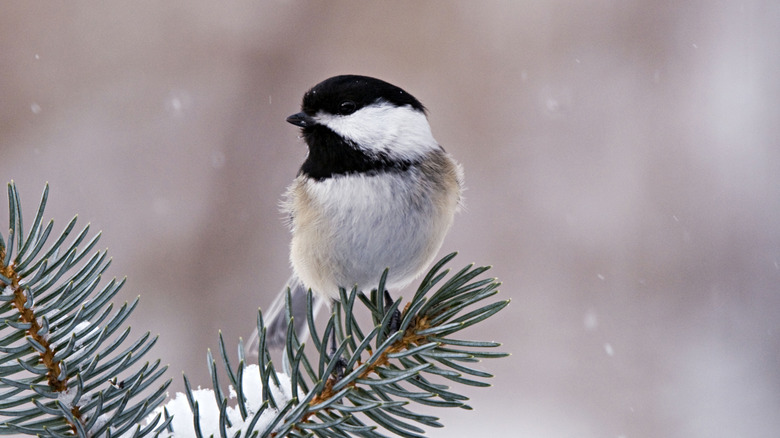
column 68, row 369
column 63, row 371
column 385, row 370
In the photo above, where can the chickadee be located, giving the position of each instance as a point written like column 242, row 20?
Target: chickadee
column 376, row 191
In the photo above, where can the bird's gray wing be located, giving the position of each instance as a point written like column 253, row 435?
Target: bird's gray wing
column 275, row 318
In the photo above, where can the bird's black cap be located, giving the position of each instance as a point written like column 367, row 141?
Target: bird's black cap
column 349, row 93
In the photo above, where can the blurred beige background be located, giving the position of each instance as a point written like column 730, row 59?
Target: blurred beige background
column 622, row 162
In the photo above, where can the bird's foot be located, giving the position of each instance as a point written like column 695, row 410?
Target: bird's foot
column 339, row 370
column 395, row 318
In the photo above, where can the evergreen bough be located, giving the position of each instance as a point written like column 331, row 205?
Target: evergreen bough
column 68, row 366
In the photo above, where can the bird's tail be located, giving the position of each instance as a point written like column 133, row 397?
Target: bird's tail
column 275, row 318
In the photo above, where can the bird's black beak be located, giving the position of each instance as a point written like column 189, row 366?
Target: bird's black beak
column 300, row 119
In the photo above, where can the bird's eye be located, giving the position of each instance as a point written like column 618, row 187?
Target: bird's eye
column 347, row 107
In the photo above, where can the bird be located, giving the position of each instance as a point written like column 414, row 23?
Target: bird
column 376, row 191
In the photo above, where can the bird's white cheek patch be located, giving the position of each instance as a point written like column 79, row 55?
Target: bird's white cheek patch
column 398, row 132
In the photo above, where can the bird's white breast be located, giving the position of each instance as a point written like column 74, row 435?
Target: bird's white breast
column 348, row 229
